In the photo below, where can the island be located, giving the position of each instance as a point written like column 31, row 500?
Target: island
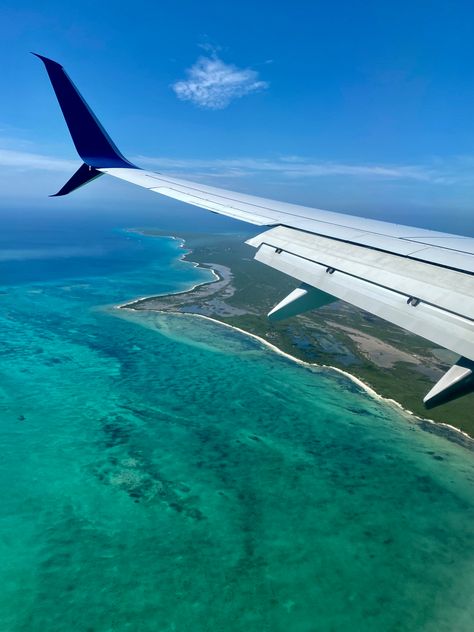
column 394, row 363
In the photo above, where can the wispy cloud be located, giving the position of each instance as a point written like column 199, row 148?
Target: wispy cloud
column 456, row 170
column 213, row 84
column 23, row 160
column 294, row 167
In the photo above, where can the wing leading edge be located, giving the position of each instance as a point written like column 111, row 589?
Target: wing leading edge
column 419, row 279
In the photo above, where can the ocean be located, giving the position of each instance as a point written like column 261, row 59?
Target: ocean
column 166, row 473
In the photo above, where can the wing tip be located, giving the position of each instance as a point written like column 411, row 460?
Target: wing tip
column 46, row 60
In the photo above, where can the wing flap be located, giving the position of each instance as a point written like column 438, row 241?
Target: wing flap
column 442, row 327
column 447, row 289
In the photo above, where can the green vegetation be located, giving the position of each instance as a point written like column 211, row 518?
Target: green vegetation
column 395, row 363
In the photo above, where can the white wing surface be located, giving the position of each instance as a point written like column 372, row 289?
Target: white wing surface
column 419, row 279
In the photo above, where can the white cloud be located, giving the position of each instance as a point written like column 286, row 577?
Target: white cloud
column 293, row 167
column 28, row 160
column 457, row 170
column 287, row 166
column 213, row 84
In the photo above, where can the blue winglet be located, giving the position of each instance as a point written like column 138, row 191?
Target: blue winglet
column 92, row 142
column 82, row 176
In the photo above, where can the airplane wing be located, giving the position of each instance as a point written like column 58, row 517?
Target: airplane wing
column 419, row 279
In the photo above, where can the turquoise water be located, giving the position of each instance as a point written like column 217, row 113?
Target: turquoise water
column 164, row 473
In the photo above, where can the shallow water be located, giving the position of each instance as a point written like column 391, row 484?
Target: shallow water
column 162, row 472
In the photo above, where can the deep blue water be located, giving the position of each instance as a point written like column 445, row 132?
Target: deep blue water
column 35, row 251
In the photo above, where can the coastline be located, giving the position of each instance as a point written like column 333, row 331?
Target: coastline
column 194, row 264
column 440, row 428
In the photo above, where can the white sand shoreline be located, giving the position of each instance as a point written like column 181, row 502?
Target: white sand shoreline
column 181, row 258
column 365, row 387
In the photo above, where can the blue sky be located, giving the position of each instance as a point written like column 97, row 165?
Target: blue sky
column 360, row 106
